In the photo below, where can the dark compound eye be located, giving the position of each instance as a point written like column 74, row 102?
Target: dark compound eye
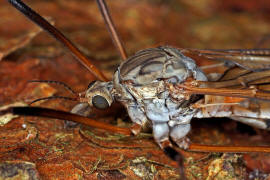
column 100, row 102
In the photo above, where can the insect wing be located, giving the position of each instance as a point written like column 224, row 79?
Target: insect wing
column 237, row 69
column 239, row 85
column 250, row 59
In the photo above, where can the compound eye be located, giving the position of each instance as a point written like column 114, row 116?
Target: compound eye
column 100, row 102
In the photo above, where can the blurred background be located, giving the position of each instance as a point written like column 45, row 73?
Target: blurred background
column 149, row 23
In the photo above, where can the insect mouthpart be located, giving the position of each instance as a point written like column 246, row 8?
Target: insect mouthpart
column 99, row 94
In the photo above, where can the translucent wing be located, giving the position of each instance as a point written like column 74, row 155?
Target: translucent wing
column 236, row 72
column 238, row 86
column 250, row 59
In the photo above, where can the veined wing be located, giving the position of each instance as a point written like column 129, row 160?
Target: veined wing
column 249, row 59
column 236, row 68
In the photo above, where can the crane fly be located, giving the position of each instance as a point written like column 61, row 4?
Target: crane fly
column 164, row 88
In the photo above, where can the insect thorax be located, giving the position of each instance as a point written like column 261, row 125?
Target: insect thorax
column 141, row 85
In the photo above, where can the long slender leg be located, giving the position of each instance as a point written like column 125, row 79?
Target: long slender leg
column 51, row 113
column 40, row 21
column 111, row 28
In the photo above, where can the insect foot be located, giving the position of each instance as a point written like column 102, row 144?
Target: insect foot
column 183, row 143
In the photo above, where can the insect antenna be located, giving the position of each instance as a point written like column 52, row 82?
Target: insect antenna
column 111, row 28
column 44, row 24
column 54, row 97
column 56, row 82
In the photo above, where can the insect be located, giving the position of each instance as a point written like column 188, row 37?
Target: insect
column 164, row 87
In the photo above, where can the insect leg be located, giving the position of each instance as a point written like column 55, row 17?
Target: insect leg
column 138, row 118
column 62, row 115
column 161, row 135
column 44, row 24
column 111, row 28
column 161, row 132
